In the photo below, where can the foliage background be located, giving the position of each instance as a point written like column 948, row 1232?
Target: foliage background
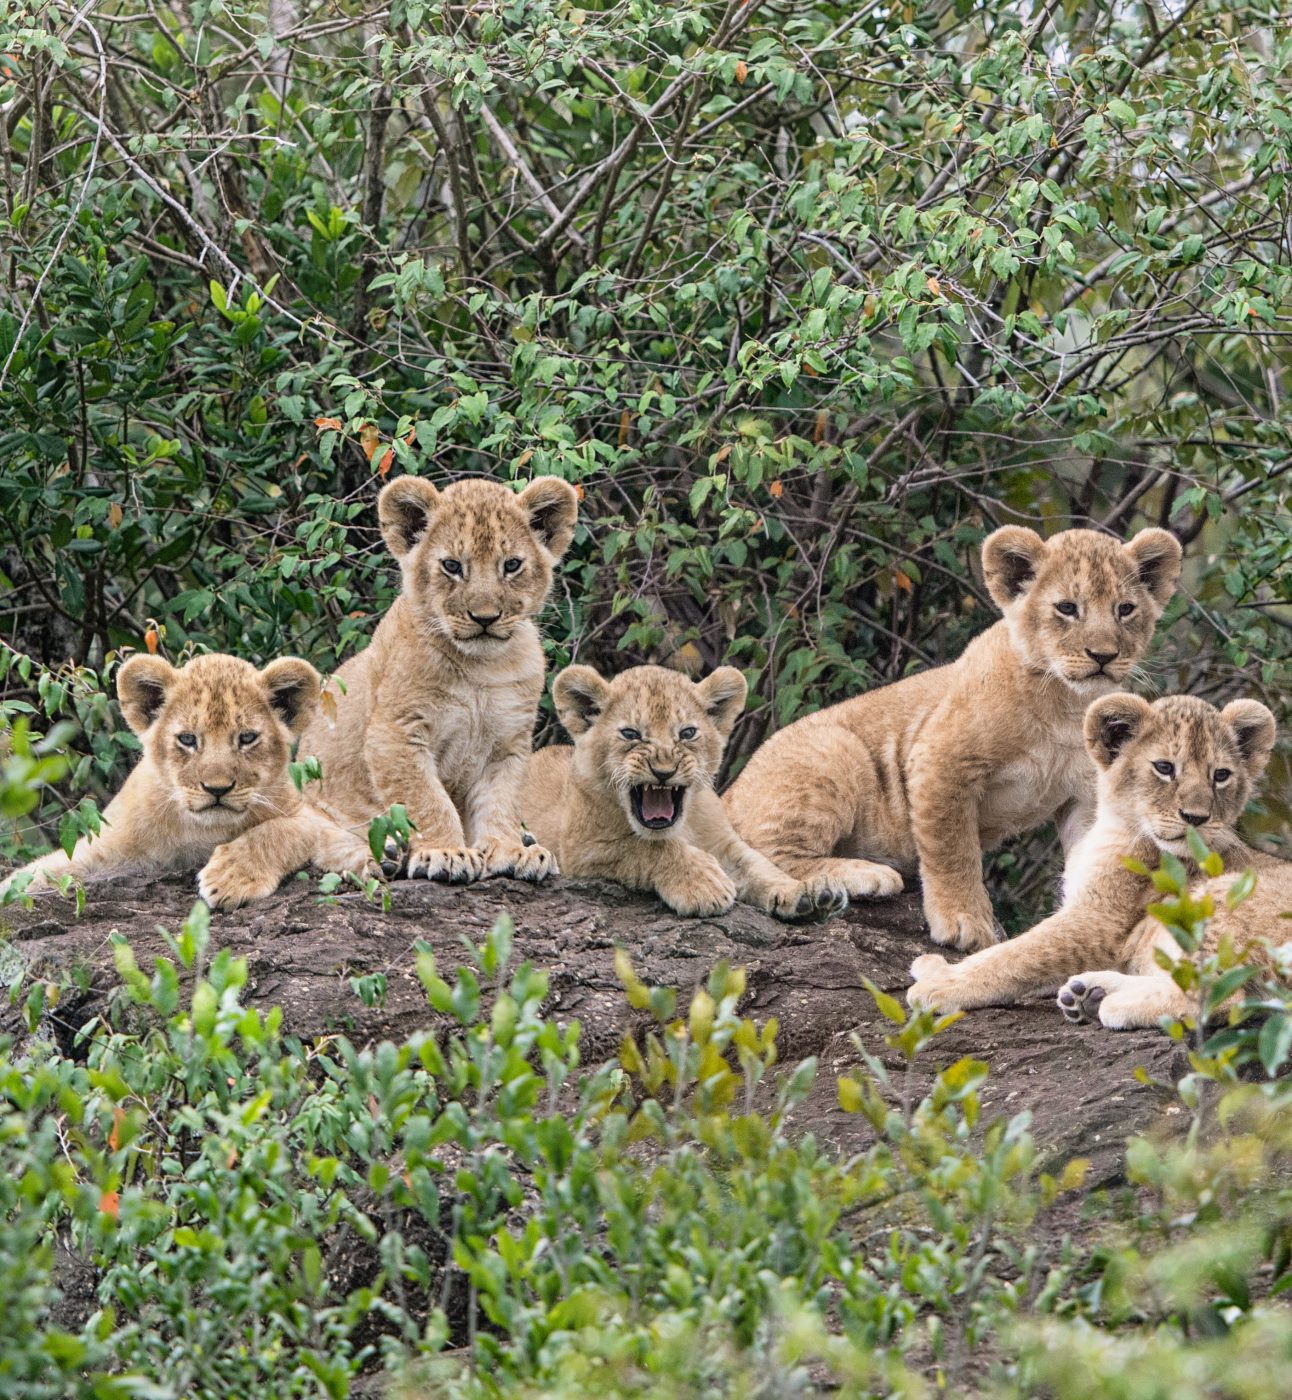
column 806, row 297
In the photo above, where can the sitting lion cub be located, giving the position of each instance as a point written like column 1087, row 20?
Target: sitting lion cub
column 437, row 713
column 633, row 800
column 937, row 768
column 1163, row 768
column 212, row 788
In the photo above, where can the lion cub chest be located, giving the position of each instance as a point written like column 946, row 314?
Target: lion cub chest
column 1032, row 787
column 474, row 727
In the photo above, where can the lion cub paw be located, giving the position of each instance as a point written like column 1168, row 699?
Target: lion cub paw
column 935, row 984
column 452, row 865
column 533, row 863
column 805, row 901
column 968, row 930
column 700, row 892
column 226, row 881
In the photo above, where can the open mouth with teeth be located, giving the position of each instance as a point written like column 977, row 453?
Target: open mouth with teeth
column 656, row 808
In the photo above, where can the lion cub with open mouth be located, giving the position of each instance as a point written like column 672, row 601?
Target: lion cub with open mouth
column 633, row 800
column 1163, row 768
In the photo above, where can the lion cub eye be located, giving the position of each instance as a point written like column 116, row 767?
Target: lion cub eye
column 186, row 740
column 1222, row 775
column 511, row 566
column 1163, row 766
column 1066, row 609
column 247, row 738
column 1125, row 609
column 452, row 567
column 688, row 733
column 630, row 734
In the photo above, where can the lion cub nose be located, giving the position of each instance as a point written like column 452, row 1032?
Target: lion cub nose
column 1194, row 818
column 217, row 790
column 1101, row 658
column 661, row 777
column 484, row 619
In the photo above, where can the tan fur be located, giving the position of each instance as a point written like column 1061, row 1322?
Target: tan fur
column 438, row 712
column 935, row 769
column 655, row 729
column 1102, row 924
column 223, row 801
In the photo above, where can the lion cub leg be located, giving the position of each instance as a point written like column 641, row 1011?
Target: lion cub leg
column 493, row 823
column 253, row 865
column 758, row 881
column 692, row 882
column 803, row 817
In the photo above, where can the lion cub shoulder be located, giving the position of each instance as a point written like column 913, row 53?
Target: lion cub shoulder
column 633, row 799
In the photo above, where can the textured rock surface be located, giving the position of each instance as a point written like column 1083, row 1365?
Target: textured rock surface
column 302, row 950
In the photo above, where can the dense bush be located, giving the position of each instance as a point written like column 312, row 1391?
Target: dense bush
column 805, row 297
column 193, row 1204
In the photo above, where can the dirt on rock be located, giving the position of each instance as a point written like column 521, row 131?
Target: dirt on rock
column 302, row 950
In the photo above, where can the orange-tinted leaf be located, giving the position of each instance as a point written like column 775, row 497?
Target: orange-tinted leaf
column 387, row 461
column 114, row 1137
column 935, row 286
column 776, row 488
column 578, row 490
column 369, row 439
column 818, row 430
column 623, row 428
column 410, row 437
column 524, row 457
column 322, row 424
column 115, row 514
column 722, row 454
column 901, row 581
column 328, row 703
column 150, row 641
column 742, row 71
column 231, row 1159
column 110, row 1204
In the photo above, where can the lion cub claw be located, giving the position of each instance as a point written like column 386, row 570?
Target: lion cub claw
column 518, row 860
column 698, row 892
column 967, row 930
column 450, row 865
column 808, row 901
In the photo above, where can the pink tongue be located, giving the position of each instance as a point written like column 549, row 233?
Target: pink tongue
column 657, row 803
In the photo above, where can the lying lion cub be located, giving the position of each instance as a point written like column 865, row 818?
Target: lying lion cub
column 1163, row 768
column 212, row 788
column 938, row 768
column 437, row 714
column 633, row 800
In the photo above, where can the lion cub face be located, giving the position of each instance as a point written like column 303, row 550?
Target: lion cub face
column 1176, row 763
column 218, row 731
column 1081, row 605
column 649, row 735
column 476, row 557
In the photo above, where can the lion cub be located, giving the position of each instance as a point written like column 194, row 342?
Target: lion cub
column 212, row 788
column 633, row 800
column 1163, row 768
column 437, row 713
column 937, row 768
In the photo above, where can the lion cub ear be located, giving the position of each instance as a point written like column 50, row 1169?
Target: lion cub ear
column 1010, row 559
column 404, row 511
column 1254, row 731
column 579, row 695
column 1111, row 723
column 142, row 684
column 723, row 696
column 1156, row 555
column 293, row 687
column 553, row 508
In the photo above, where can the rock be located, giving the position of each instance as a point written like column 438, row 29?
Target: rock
column 303, row 948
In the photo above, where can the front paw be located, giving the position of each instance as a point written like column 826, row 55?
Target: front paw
column 807, row 901
column 970, row 928
column 935, row 985
column 533, row 863
column 700, row 894
column 228, row 880
column 451, row 865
